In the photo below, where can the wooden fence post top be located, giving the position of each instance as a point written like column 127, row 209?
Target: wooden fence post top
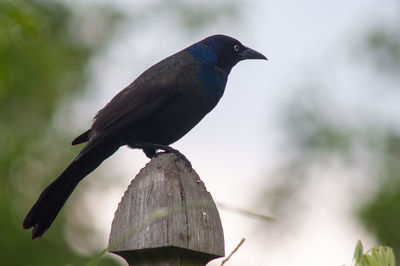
column 167, row 217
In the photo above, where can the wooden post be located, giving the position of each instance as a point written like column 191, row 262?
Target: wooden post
column 167, row 217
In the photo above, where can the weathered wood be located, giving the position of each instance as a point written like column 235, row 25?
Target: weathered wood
column 167, row 217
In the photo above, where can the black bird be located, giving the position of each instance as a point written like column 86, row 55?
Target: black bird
column 155, row 110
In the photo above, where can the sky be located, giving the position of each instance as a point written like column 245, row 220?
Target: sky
column 236, row 148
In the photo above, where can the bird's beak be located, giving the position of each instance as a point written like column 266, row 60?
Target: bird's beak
column 249, row 53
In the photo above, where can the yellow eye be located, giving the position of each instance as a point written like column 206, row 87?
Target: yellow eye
column 236, row 47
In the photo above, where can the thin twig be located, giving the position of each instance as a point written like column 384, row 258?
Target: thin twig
column 245, row 212
column 230, row 255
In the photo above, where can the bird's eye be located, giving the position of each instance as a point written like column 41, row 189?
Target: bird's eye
column 236, row 47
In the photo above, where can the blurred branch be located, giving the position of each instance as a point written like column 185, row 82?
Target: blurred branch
column 245, row 212
column 233, row 252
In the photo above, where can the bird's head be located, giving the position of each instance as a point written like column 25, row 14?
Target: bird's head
column 223, row 50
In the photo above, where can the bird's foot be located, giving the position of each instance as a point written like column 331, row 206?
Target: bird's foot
column 150, row 151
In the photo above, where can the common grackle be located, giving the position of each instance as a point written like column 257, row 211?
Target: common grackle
column 155, row 110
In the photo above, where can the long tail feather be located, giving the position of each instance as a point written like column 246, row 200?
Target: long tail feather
column 52, row 199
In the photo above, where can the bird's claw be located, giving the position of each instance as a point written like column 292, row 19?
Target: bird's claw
column 150, row 148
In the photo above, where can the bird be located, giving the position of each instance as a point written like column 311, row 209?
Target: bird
column 158, row 108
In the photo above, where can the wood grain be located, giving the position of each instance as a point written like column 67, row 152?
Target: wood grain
column 167, row 217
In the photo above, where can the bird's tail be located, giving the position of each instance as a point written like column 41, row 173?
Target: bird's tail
column 51, row 200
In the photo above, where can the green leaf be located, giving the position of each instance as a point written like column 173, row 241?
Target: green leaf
column 358, row 252
column 375, row 257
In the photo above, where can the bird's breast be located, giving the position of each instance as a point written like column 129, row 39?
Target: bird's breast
column 213, row 80
column 175, row 119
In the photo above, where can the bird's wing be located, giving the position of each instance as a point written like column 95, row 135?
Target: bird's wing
column 156, row 87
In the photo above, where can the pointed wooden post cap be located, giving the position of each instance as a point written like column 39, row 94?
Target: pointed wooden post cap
column 167, row 217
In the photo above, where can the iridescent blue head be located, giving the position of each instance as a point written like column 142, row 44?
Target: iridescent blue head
column 222, row 50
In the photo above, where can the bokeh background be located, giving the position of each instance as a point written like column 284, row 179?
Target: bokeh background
column 310, row 138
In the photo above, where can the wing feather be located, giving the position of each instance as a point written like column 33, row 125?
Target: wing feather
column 156, row 87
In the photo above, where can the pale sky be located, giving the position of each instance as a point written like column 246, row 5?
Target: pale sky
column 236, row 147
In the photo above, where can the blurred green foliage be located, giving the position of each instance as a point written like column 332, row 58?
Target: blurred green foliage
column 381, row 215
column 194, row 15
column 318, row 138
column 384, row 44
column 43, row 56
